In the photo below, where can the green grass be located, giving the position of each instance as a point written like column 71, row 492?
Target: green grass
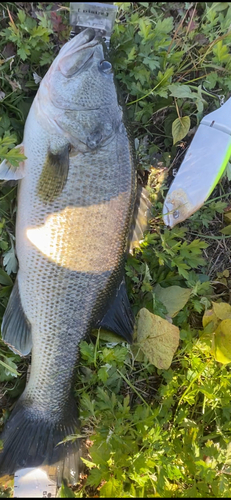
column 149, row 432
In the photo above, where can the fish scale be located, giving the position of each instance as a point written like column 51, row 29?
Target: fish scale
column 75, row 207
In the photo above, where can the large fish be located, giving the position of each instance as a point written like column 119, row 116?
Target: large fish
column 75, row 208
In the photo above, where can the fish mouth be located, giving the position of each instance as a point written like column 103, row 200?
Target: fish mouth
column 81, row 40
column 77, row 52
column 87, row 35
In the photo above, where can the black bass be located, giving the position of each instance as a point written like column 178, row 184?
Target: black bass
column 75, row 208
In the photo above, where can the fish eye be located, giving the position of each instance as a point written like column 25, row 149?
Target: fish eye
column 105, row 66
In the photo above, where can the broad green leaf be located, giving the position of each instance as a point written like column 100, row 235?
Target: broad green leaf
column 40, row 31
column 103, row 374
column 181, row 91
column 65, row 491
column 180, row 128
column 226, row 230
column 157, row 338
column 107, row 336
column 5, row 125
column 46, row 58
column 221, row 52
column 219, row 6
column 132, row 54
column 111, row 489
column 23, row 52
column 228, row 171
column 222, row 342
column 9, row 370
column 165, row 25
column 15, row 156
column 211, row 80
column 222, row 310
column 162, row 78
column 88, row 404
column 87, row 351
column 95, row 477
column 89, row 464
column 5, row 279
column 6, row 291
column 8, row 140
column 145, row 27
column 152, row 62
column 9, row 261
column 21, row 16
column 174, row 298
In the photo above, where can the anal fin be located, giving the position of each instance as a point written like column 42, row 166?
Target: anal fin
column 119, row 317
column 16, row 329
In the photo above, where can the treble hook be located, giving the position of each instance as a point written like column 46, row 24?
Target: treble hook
column 220, row 97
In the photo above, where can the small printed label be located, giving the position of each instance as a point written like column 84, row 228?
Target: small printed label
column 101, row 12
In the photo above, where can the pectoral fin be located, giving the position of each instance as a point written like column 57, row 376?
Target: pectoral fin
column 54, row 175
column 142, row 214
column 119, row 317
column 9, row 172
column 16, row 329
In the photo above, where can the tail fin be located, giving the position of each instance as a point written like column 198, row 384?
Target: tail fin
column 32, row 440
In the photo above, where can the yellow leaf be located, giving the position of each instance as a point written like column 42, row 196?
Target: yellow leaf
column 157, row 338
column 180, row 128
column 222, row 342
column 137, row 353
column 227, row 216
column 226, row 230
column 210, row 317
column 222, row 310
column 6, row 482
column 174, row 298
column 205, row 342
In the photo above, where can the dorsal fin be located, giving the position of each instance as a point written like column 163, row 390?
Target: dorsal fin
column 142, row 214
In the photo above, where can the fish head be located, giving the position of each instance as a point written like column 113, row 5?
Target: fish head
column 77, row 96
column 80, row 75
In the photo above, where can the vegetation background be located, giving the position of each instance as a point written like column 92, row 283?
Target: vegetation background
column 150, row 431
